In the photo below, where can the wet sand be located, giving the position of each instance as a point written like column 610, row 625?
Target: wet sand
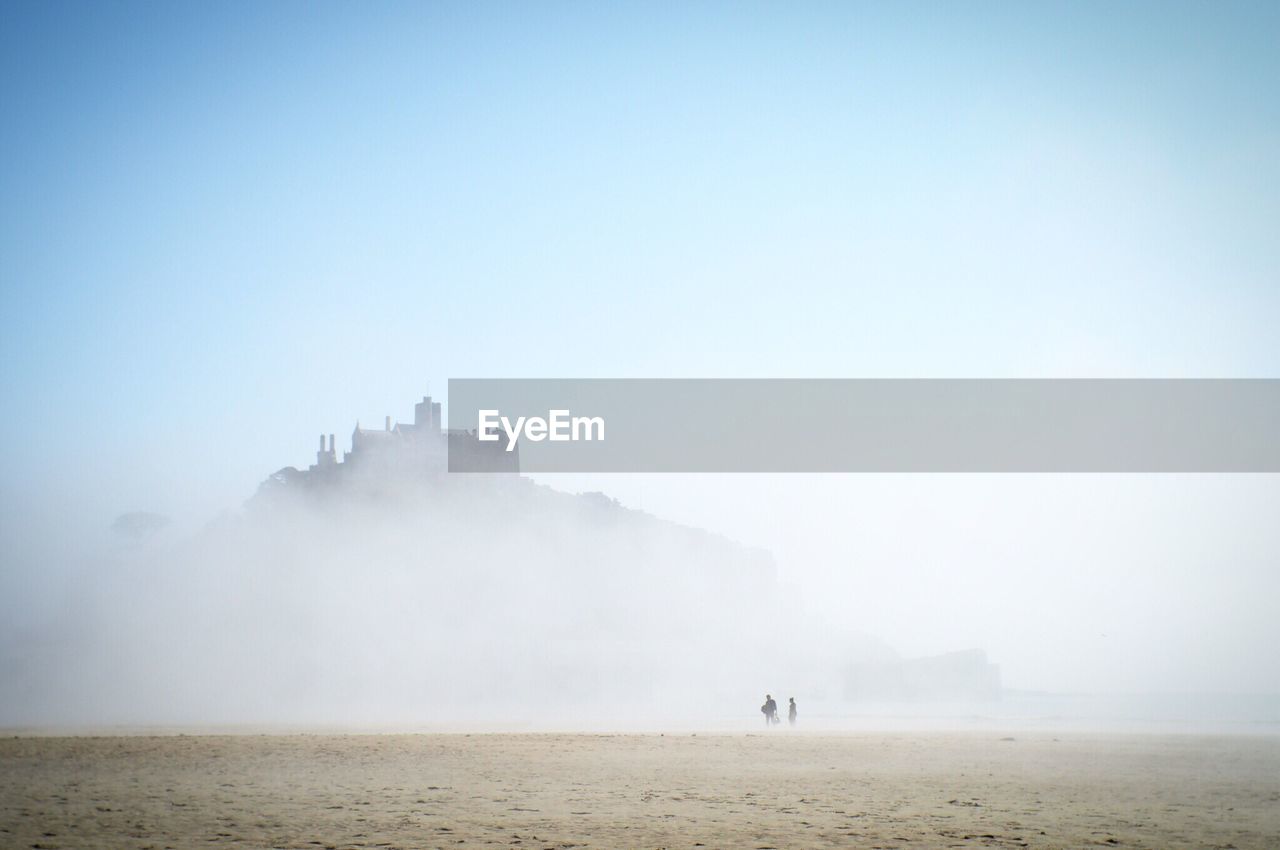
column 778, row 790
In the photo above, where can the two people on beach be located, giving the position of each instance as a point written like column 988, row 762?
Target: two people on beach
column 770, row 711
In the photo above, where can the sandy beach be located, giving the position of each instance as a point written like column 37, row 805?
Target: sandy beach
column 774, row 790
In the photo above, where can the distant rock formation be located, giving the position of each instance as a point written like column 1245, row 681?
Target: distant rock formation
column 139, row 525
column 485, row 592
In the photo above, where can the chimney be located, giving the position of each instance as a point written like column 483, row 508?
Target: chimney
column 322, row 442
column 388, row 423
column 330, row 444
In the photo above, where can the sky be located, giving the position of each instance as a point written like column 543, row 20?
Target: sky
column 227, row 228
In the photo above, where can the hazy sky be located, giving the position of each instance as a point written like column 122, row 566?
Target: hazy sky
column 228, row 227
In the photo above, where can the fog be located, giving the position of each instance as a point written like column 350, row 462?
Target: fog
column 1083, row 583
column 461, row 599
column 473, row 601
column 229, row 227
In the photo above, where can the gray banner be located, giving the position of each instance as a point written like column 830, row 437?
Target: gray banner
column 795, row 425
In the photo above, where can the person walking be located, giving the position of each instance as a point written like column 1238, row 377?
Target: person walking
column 791, row 712
column 770, row 710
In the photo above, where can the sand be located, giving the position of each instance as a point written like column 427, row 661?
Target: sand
column 777, row 789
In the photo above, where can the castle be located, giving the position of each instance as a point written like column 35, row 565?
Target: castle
column 424, row 448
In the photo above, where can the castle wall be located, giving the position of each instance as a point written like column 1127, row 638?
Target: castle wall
column 417, row 450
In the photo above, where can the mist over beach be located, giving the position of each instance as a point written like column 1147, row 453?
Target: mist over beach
column 227, row 230
column 399, row 598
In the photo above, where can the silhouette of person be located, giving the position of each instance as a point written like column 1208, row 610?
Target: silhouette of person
column 770, row 709
column 791, row 712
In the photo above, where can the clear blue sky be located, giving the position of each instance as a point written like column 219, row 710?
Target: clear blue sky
column 229, row 227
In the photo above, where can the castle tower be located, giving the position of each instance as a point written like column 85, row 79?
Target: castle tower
column 426, row 415
column 325, row 457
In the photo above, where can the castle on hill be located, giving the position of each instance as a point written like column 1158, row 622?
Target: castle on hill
column 422, row 448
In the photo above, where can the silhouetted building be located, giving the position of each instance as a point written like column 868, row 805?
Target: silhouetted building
column 401, row 449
